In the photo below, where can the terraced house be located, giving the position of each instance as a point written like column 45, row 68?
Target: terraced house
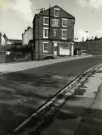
column 53, row 33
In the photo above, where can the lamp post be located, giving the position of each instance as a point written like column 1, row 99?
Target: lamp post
column 87, row 35
column 86, row 40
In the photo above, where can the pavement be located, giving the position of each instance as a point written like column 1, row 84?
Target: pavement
column 89, row 94
column 13, row 67
column 91, row 123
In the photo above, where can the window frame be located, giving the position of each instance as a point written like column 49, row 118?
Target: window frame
column 45, row 17
column 64, row 38
column 44, row 50
column 45, row 28
column 55, row 32
column 64, row 19
column 53, row 22
column 56, row 9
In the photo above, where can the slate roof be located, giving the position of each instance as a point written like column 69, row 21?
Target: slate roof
column 65, row 13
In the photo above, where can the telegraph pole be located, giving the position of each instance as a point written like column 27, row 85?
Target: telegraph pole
column 87, row 40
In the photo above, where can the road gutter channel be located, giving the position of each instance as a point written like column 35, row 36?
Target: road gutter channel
column 51, row 106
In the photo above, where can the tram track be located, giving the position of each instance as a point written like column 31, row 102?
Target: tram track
column 46, row 112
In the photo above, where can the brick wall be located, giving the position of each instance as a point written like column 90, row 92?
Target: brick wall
column 92, row 47
column 27, row 36
column 38, row 30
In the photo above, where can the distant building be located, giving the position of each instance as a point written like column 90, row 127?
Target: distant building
column 53, row 33
column 27, row 36
column 14, row 42
column 2, row 48
column 0, row 38
column 3, row 39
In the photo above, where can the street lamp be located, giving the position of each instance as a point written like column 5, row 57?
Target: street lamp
column 87, row 35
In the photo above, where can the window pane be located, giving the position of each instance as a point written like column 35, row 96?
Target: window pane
column 56, row 12
column 54, row 32
column 64, row 22
column 45, row 20
column 55, row 22
column 45, row 33
column 64, row 34
column 45, row 47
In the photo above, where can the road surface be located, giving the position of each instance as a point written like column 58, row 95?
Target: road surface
column 23, row 92
column 82, row 114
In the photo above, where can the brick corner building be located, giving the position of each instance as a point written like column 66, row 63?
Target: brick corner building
column 53, row 33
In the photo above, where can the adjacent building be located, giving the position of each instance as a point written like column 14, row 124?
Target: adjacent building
column 3, row 39
column 2, row 48
column 13, row 42
column 53, row 33
column 0, row 38
column 27, row 36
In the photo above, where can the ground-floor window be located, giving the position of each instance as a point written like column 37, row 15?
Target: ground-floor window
column 45, row 47
column 55, row 48
column 55, row 44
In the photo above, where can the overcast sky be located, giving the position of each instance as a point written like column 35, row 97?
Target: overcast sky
column 16, row 15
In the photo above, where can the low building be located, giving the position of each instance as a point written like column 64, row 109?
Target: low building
column 0, row 38
column 3, row 39
column 2, row 48
column 27, row 36
column 53, row 33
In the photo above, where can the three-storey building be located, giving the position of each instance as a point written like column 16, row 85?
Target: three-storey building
column 53, row 33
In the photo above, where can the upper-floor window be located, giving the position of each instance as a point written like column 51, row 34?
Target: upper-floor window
column 55, row 22
column 64, row 34
column 45, row 47
column 54, row 32
column 45, row 21
column 64, row 22
column 56, row 12
column 45, row 32
column 55, row 44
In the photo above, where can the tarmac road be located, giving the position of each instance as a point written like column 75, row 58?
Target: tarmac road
column 22, row 92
